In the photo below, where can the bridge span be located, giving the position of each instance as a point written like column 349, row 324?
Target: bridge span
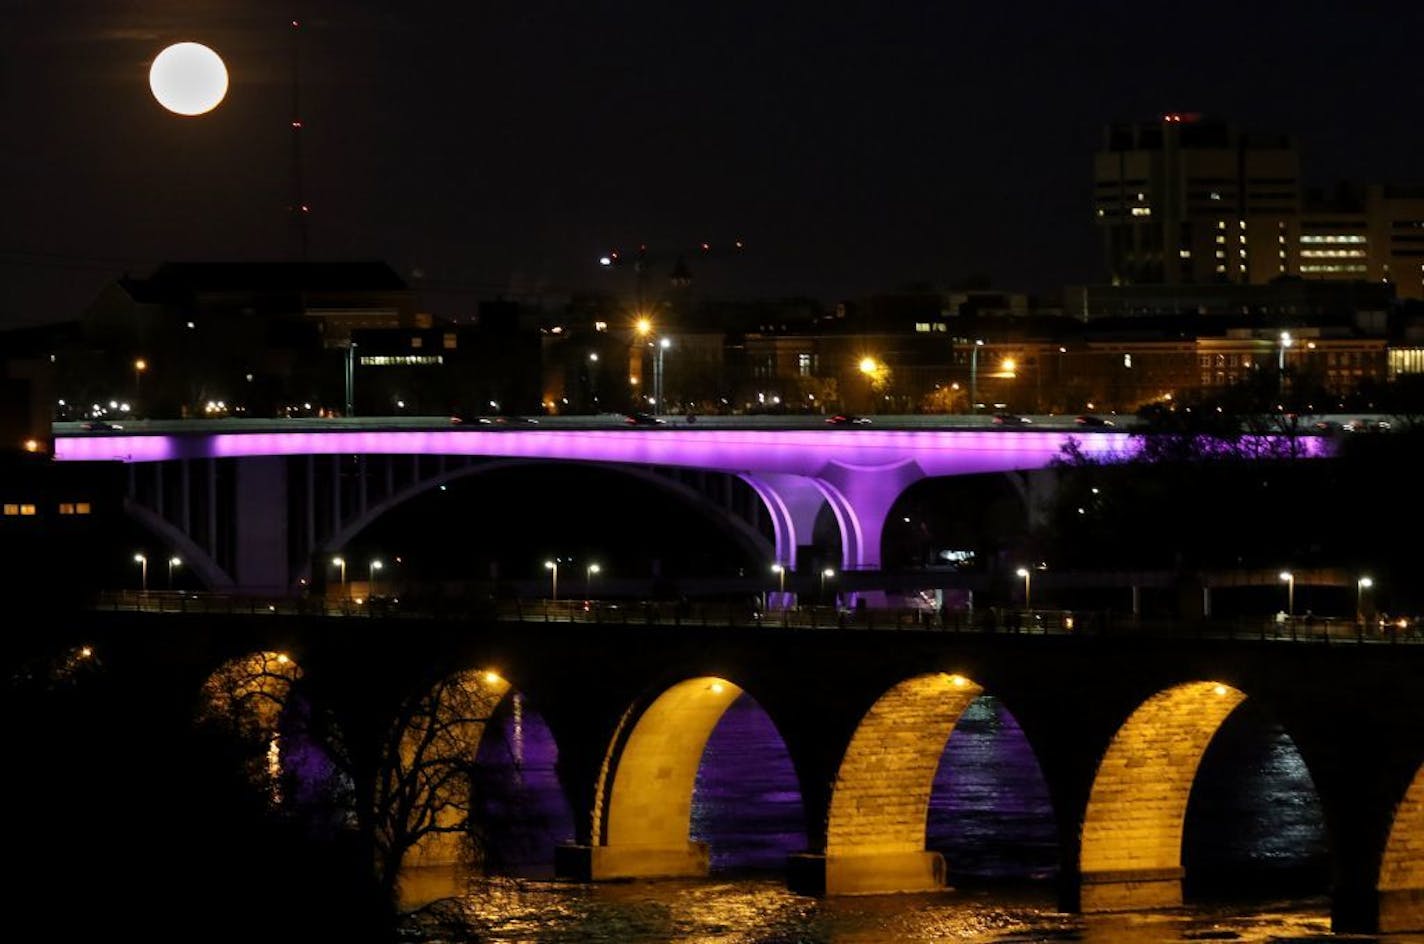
column 1118, row 724
column 250, row 509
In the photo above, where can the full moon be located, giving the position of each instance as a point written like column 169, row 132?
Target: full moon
column 188, row 79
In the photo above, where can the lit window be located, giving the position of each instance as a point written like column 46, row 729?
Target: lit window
column 66, row 508
column 417, row 341
column 449, row 341
column 27, row 511
column 1215, row 195
column 12, row 510
column 1221, row 224
column 1184, row 253
column 82, row 508
column 1221, row 239
column 1141, row 211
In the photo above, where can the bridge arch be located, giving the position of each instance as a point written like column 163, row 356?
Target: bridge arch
column 195, row 559
column 642, row 815
column 1131, row 847
column 750, row 538
column 1401, row 874
column 875, row 830
column 423, row 788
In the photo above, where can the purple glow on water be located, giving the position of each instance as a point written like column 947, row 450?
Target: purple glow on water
column 519, row 812
column 747, row 802
column 990, row 813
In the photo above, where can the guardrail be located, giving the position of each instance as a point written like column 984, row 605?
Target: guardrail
column 986, row 621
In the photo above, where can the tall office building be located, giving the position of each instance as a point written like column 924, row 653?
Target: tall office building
column 1186, row 199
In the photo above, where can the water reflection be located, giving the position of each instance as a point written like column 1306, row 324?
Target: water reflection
column 761, row 911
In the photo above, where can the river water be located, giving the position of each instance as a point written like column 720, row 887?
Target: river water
column 1253, row 823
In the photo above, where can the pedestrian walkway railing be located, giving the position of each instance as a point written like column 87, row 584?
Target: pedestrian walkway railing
column 665, row 613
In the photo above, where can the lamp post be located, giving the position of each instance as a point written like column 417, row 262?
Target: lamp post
column 1289, row 579
column 341, row 562
column 371, row 577
column 974, row 375
column 1286, row 341
column 826, row 573
column 588, row 581
column 174, row 561
column 140, row 365
column 780, row 572
column 142, row 562
column 663, row 345
column 552, row 566
column 868, row 367
column 1360, row 586
column 1027, row 576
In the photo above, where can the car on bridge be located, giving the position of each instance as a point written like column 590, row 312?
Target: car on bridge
column 642, row 419
column 1011, row 419
column 1088, row 419
column 99, row 426
column 848, row 419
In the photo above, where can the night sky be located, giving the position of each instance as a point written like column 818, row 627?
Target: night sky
column 502, row 147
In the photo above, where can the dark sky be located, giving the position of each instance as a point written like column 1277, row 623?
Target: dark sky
column 855, row 146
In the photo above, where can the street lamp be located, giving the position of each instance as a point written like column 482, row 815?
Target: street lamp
column 868, row 367
column 588, row 582
column 974, row 375
column 1289, row 579
column 174, row 561
column 371, row 577
column 143, row 571
column 140, row 365
column 663, row 345
column 1027, row 576
column 1360, row 586
column 341, row 562
column 825, row 575
column 1286, row 341
column 553, row 567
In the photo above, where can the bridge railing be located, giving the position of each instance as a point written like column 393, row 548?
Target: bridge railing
column 675, row 613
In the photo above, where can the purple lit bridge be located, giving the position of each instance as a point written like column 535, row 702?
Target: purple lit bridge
column 242, row 507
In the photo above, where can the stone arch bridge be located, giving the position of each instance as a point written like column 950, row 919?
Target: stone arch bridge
column 1118, row 724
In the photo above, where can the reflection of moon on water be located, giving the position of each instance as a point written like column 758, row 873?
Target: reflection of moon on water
column 188, row 79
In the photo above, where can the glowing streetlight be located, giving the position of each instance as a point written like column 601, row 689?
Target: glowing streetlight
column 1361, row 585
column 780, row 572
column 1289, row 579
column 869, row 367
column 588, row 578
column 643, row 326
column 174, row 561
column 663, row 345
column 1027, row 576
column 143, row 571
column 341, row 562
column 140, row 365
column 371, row 577
column 552, row 566
column 826, row 574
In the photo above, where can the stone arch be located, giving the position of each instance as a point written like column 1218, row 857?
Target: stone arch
column 1131, row 842
column 643, row 804
column 1401, row 874
column 748, row 536
column 422, row 792
column 246, row 698
column 875, row 830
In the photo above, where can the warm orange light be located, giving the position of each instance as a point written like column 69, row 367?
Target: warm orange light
column 958, row 681
column 492, row 677
column 32, row 445
column 86, row 652
column 282, row 658
column 643, row 326
column 715, row 688
column 868, row 365
column 140, row 364
column 1219, row 691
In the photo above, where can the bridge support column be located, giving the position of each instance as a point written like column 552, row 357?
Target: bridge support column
column 260, row 526
column 605, row 863
column 1131, row 889
column 871, row 873
column 861, row 499
column 793, row 502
